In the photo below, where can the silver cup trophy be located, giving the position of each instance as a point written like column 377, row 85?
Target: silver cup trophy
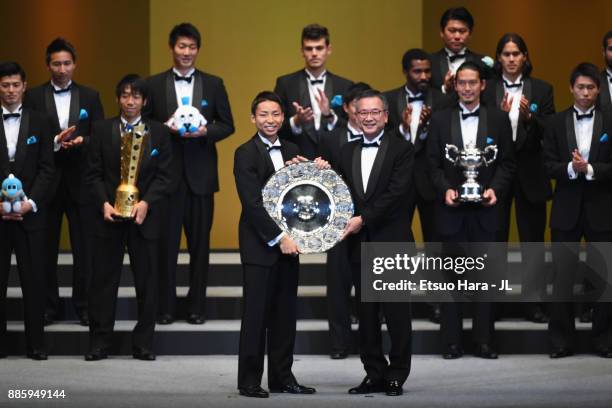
column 471, row 158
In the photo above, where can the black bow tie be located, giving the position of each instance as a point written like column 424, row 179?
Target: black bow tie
column 127, row 128
column 315, row 81
column 187, row 79
column 467, row 115
column 61, row 91
column 354, row 136
column 365, row 144
column 419, row 97
column 509, row 85
column 585, row 116
column 6, row 116
column 452, row 58
column 274, row 147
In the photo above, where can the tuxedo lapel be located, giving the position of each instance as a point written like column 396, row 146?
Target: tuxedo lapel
column 198, row 90
column 116, row 145
column 50, row 104
column 377, row 166
column 499, row 93
column 428, row 99
column 521, row 132
column 4, row 161
column 570, row 131
column 597, row 128
column 401, row 102
column 605, row 89
column 171, row 105
column 483, row 130
column 263, row 152
column 304, row 95
column 443, row 65
column 329, row 87
column 74, row 112
column 456, row 136
column 356, row 170
column 22, row 146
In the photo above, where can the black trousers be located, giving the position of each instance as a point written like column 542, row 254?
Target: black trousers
column 268, row 321
column 561, row 326
column 108, row 262
column 451, row 314
column 80, row 226
column 194, row 213
column 399, row 326
column 27, row 246
column 339, row 284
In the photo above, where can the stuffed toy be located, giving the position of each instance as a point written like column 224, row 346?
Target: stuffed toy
column 12, row 194
column 186, row 118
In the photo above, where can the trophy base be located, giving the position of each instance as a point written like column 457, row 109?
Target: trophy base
column 470, row 193
column 121, row 218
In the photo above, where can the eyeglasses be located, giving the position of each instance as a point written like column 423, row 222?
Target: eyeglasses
column 376, row 114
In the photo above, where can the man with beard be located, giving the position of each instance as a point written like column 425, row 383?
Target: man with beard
column 605, row 93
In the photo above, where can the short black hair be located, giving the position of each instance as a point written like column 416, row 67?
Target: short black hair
column 606, row 37
column 263, row 97
column 457, row 13
column 58, row 45
column 353, row 92
column 12, row 68
column 136, row 84
column 474, row 66
column 522, row 46
column 315, row 32
column 184, row 30
column 414, row 54
column 585, row 69
column 373, row 93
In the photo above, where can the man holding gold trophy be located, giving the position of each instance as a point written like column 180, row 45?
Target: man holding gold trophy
column 128, row 175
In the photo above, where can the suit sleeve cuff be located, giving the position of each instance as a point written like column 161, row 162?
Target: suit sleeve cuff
column 295, row 129
column 334, row 120
column 33, row 204
column 56, row 144
column 405, row 133
column 570, row 172
column 276, row 240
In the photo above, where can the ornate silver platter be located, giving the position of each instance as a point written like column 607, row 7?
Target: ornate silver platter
column 313, row 206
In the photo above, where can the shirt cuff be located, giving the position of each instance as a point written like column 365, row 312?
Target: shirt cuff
column 590, row 173
column 405, row 133
column 276, row 240
column 443, row 89
column 570, row 171
column 56, row 145
column 334, row 119
column 295, row 129
column 33, row 204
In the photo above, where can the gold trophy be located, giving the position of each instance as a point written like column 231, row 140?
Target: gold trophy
column 127, row 194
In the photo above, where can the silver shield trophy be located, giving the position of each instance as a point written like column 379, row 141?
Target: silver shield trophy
column 313, row 206
column 471, row 158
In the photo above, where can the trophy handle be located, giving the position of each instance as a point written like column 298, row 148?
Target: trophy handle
column 490, row 148
column 451, row 148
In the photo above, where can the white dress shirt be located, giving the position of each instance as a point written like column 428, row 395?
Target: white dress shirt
column 62, row 108
column 313, row 90
column 584, row 135
column 125, row 122
column 515, row 93
column 417, row 106
column 453, row 66
column 469, row 126
column 368, row 155
column 278, row 162
column 184, row 89
column 352, row 131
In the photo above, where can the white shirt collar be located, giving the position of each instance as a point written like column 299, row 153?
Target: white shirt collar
column 353, row 130
column 267, row 142
column 517, row 81
column 311, row 76
column 58, row 88
column 466, row 110
column 18, row 110
column 188, row 74
column 584, row 112
column 449, row 52
column 376, row 139
column 134, row 122
column 410, row 93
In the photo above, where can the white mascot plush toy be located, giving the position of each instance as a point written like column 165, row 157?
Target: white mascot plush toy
column 186, row 118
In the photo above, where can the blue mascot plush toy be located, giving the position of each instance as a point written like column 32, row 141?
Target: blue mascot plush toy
column 12, row 194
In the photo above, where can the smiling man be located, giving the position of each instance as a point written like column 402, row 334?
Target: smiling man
column 73, row 108
column 194, row 163
column 312, row 96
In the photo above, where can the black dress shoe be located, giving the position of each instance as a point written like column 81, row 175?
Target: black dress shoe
column 37, row 355
column 293, row 389
column 48, row 319
column 452, row 352
column 434, row 315
column 143, row 354
column 393, row 388
column 95, row 355
column 354, row 319
column 195, row 318
column 165, row 318
column 338, row 355
column 368, row 386
column 254, row 391
column 604, row 352
column 560, row 352
column 537, row 315
column 485, row 351
column 84, row 319
column 586, row 316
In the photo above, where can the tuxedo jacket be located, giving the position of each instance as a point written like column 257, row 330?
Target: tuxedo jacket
column 85, row 109
column 530, row 172
column 294, row 88
column 384, row 204
column 604, row 102
column 439, row 65
column 33, row 164
column 194, row 159
column 252, row 169
column 573, row 196
column 332, row 143
column 104, row 172
column 493, row 129
column 436, row 100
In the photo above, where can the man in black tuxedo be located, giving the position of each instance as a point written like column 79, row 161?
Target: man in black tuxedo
column 141, row 235
column 605, row 94
column 73, row 108
column 312, row 96
column 456, row 26
column 469, row 123
column 269, row 260
column 378, row 173
column 528, row 102
column 27, row 153
column 194, row 165
column 339, row 277
column 578, row 156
